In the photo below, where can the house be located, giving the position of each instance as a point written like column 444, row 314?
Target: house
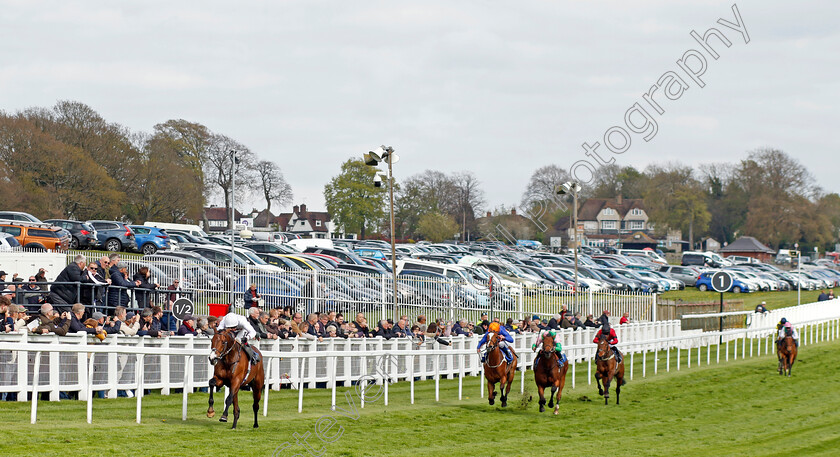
column 506, row 227
column 605, row 221
column 749, row 247
column 638, row 240
column 216, row 218
column 307, row 224
column 709, row 244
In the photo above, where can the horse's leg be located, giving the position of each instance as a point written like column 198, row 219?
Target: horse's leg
column 551, row 397
column 228, row 402
column 491, row 392
column 607, row 389
column 235, row 408
column 210, row 411
column 541, row 391
column 507, row 385
column 560, row 390
column 257, row 388
column 598, row 381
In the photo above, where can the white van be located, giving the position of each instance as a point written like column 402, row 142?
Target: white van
column 303, row 243
column 193, row 230
column 651, row 255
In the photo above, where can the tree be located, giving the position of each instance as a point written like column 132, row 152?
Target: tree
column 437, row 227
column 352, row 200
column 220, row 172
column 544, row 183
column 272, row 184
column 191, row 141
column 613, row 180
column 675, row 199
column 469, row 197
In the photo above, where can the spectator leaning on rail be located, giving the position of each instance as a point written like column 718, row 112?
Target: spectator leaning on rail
column 62, row 295
column 145, row 285
column 51, row 322
column 147, row 324
column 460, row 328
column 118, row 293
column 129, row 322
column 92, row 296
column 77, row 314
column 188, row 326
column 823, row 296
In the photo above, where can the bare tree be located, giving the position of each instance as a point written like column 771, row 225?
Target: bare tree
column 544, row 183
column 469, row 197
column 219, row 174
column 273, row 185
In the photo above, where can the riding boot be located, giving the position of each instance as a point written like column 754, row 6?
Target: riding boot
column 508, row 355
column 252, row 356
column 618, row 357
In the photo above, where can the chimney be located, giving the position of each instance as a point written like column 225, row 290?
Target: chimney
column 303, row 210
column 295, row 209
column 618, row 199
column 513, row 212
column 489, row 214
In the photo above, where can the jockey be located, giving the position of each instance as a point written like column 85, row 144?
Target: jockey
column 505, row 339
column 787, row 328
column 558, row 340
column 244, row 331
column 612, row 338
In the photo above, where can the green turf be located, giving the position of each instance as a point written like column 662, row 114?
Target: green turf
column 741, row 407
column 774, row 299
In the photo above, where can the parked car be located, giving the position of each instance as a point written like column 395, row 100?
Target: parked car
column 37, row 236
column 704, row 283
column 114, row 236
column 18, row 216
column 8, row 242
column 150, row 239
column 83, row 235
column 688, row 275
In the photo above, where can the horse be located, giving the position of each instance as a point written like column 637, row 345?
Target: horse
column 233, row 369
column 607, row 370
column 496, row 369
column 547, row 373
column 787, row 355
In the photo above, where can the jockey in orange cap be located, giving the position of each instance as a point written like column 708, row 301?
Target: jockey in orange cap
column 504, row 341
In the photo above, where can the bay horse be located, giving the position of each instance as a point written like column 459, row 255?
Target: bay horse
column 607, row 370
column 547, row 373
column 787, row 355
column 233, row 369
column 497, row 369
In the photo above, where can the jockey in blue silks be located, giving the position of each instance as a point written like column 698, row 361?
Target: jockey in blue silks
column 504, row 340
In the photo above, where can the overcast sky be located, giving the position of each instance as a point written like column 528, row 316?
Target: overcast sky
column 496, row 88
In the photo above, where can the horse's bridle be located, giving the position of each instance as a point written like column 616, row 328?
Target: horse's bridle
column 227, row 349
column 490, row 348
column 598, row 355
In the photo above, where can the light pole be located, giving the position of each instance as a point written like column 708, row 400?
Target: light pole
column 572, row 187
column 233, row 162
column 373, row 158
column 798, row 274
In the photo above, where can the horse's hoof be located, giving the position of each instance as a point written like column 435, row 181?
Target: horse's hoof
column 256, row 426
column 542, row 408
column 492, row 402
column 210, row 414
column 601, row 392
column 223, row 419
column 504, row 404
column 556, row 411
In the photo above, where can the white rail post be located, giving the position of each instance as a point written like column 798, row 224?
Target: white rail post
column 411, row 375
column 35, row 379
column 333, row 369
column 112, row 366
column 138, row 376
column 89, row 390
column 23, row 370
column 301, row 384
column 267, row 384
column 187, row 381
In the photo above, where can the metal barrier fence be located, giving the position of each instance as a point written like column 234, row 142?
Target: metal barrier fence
column 72, row 363
column 349, row 292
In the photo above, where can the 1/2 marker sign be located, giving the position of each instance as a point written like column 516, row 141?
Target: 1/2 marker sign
column 721, row 281
column 182, row 308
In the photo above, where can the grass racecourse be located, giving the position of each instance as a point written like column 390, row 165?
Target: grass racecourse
column 740, row 407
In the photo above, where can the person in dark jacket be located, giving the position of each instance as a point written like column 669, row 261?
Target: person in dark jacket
column 589, row 322
column 92, row 293
column 77, row 314
column 142, row 293
column 385, row 330
column 252, row 297
column 147, row 324
column 64, row 295
column 118, row 293
column 460, row 328
column 188, row 326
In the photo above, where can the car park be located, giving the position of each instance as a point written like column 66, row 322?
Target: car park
column 150, row 239
column 37, row 236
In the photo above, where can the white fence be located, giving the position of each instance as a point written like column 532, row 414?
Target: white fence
column 74, row 363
